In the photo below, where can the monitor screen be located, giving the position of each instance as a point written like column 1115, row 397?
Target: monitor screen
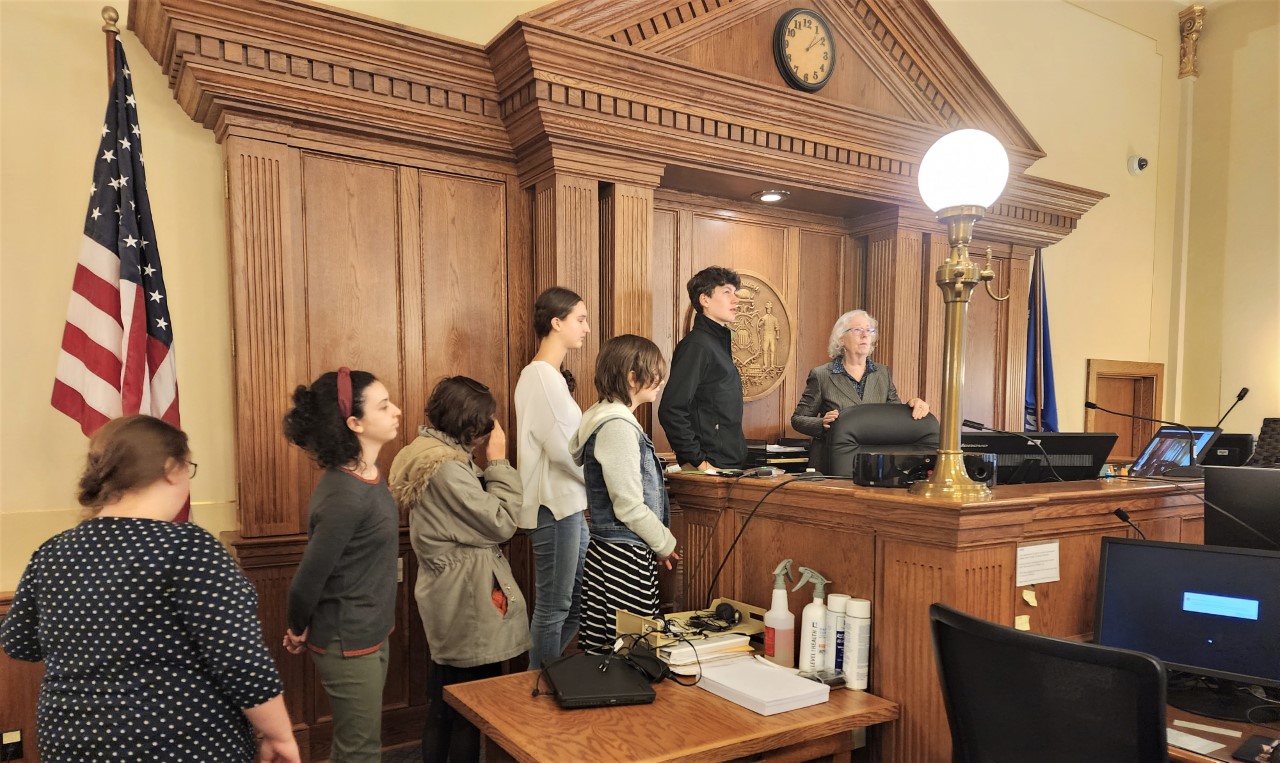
column 1206, row 610
column 1074, row 455
column 1168, row 449
column 1250, row 495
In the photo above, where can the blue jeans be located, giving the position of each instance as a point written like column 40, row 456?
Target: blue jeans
column 559, row 548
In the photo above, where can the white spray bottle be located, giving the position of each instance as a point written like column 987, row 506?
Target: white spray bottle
column 813, row 624
column 779, row 623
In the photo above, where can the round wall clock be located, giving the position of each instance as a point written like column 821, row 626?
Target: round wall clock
column 804, row 49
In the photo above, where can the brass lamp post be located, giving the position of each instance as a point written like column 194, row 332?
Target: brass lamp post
column 960, row 176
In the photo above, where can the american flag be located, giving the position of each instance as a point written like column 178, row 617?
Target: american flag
column 117, row 353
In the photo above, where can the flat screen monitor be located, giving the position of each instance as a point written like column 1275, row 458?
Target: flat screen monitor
column 1168, row 450
column 1074, row 455
column 1250, row 495
column 1206, row 610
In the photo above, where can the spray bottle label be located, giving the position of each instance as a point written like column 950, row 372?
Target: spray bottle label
column 770, row 641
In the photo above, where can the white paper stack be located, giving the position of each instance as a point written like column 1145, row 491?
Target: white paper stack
column 761, row 688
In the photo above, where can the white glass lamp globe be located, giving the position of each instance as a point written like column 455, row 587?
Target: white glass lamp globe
column 963, row 168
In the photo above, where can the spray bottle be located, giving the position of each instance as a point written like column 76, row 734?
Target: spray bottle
column 813, row 624
column 779, row 623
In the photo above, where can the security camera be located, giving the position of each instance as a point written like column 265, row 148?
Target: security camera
column 1137, row 164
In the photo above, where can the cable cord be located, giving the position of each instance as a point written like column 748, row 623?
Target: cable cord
column 806, row 477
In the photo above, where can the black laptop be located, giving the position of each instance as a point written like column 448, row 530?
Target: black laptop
column 1168, row 450
column 593, row 680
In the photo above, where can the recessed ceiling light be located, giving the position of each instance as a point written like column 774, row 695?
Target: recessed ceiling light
column 770, row 196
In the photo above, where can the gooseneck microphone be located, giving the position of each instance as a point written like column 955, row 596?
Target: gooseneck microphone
column 1239, row 396
column 1191, row 435
column 1123, row 516
column 971, row 424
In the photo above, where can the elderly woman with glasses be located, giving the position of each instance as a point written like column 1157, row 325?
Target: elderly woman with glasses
column 849, row 379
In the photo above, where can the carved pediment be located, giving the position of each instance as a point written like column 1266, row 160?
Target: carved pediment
column 896, row 59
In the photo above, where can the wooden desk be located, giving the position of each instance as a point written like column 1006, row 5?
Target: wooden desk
column 682, row 724
column 1232, row 742
column 904, row 552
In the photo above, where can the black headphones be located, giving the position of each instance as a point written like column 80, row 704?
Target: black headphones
column 725, row 612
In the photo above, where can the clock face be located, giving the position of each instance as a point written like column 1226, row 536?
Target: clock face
column 804, row 49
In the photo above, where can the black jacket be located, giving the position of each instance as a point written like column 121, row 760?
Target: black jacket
column 701, row 409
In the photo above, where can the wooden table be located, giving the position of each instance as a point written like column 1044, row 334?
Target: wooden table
column 1232, row 742
column 682, row 724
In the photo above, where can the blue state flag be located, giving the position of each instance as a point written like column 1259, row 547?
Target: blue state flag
column 1041, row 402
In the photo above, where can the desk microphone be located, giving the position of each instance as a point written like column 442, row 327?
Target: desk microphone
column 1123, row 516
column 1239, row 396
column 970, row 424
column 1191, row 469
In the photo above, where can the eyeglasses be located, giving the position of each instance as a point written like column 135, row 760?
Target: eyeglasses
column 861, row 330
column 192, row 466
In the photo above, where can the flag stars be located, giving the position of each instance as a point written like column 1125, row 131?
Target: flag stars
column 148, row 270
column 96, row 213
column 93, row 188
column 115, row 183
column 124, row 144
column 134, row 129
column 125, row 71
column 130, row 241
column 144, row 246
column 105, row 130
column 156, row 296
column 162, row 324
column 109, row 156
column 130, row 100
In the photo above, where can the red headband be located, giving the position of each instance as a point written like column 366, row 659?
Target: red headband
column 344, row 392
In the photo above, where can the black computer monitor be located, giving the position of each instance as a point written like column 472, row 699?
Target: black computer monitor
column 1074, row 455
column 1206, row 610
column 1250, row 495
column 1169, row 448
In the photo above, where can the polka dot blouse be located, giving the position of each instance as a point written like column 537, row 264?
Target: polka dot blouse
column 150, row 639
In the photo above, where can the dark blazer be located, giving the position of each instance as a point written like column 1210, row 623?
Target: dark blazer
column 830, row 389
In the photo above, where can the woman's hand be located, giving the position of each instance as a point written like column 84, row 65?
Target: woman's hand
column 667, row 560
column 919, row 408
column 497, row 445
column 278, row 750
column 831, row 416
column 293, row 643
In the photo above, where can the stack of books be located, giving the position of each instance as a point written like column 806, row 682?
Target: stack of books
column 763, row 688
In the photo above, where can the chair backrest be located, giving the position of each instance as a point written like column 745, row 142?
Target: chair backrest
column 876, row 425
column 1014, row 696
column 1267, row 452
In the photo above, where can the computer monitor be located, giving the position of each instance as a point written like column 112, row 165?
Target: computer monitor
column 1249, row 494
column 1168, row 450
column 1073, row 455
column 1206, row 610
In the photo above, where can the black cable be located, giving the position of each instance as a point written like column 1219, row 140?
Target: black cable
column 806, row 477
column 711, row 536
column 1213, row 506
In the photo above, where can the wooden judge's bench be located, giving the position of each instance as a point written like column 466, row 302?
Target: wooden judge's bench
column 903, row 553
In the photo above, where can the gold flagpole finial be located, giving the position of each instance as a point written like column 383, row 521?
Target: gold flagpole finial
column 111, row 16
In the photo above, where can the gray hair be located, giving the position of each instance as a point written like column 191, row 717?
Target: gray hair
column 834, row 348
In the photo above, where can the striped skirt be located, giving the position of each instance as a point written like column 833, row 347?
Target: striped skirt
column 615, row 576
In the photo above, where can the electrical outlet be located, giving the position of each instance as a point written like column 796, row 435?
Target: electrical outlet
column 11, row 745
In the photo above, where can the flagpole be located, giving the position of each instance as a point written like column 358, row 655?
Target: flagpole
column 111, row 16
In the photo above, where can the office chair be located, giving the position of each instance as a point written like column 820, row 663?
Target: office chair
column 1014, row 696
column 1267, row 452
column 875, row 426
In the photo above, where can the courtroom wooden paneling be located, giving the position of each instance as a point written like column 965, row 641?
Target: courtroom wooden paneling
column 397, row 199
column 21, row 682
column 1127, row 387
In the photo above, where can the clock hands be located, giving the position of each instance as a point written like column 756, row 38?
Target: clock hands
column 816, row 36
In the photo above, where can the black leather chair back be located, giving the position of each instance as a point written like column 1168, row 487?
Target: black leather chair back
column 876, row 425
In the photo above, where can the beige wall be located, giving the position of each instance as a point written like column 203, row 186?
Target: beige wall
column 1233, row 292
column 1108, row 65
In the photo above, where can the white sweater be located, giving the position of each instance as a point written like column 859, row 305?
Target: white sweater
column 546, row 417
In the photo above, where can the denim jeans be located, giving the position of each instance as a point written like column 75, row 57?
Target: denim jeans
column 559, row 548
